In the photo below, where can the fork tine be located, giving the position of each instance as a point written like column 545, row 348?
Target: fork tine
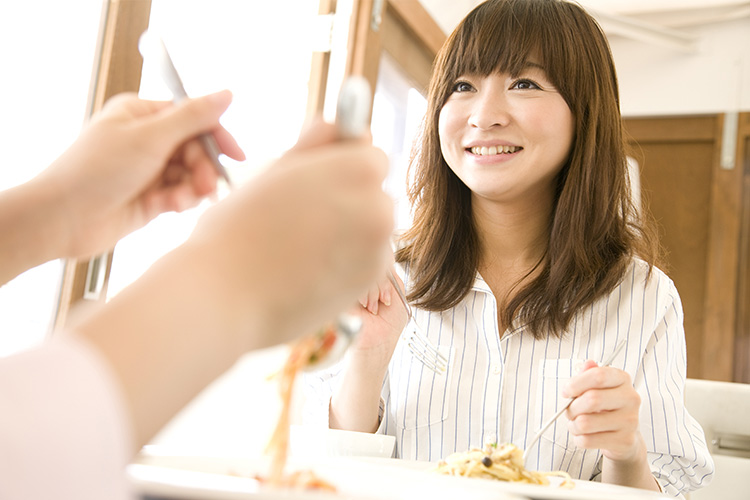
column 422, row 349
column 427, row 362
column 426, row 345
column 419, row 345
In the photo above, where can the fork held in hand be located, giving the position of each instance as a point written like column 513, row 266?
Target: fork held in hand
column 417, row 342
column 549, row 422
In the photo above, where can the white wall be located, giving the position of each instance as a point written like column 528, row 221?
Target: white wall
column 656, row 80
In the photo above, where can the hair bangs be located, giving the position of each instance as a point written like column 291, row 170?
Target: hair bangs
column 491, row 40
column 506, row 35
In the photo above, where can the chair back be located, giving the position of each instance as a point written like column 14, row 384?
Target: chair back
column 723, row 410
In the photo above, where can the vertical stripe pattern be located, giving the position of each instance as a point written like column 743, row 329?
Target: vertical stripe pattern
column 501, row 389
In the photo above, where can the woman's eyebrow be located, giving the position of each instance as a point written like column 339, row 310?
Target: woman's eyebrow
column 532, row 64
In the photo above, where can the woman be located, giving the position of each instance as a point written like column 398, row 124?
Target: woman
column 528, row 264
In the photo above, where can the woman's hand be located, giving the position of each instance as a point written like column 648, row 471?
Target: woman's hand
column 356, row 400
column 383, row 319
column 605, row 416
column 276, row 259
column 605, row 413
column 304, row 238
column 135, row 160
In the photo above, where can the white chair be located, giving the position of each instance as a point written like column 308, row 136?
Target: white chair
column 723, row 409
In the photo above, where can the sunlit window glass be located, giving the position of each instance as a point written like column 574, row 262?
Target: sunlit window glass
column 47, row 54
column 398, row 110
column 258, row 50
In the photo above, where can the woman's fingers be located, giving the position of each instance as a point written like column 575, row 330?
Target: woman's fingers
column 605, row 413
column 605, row 399
column 369, row 300
column 593, row 376
column 378, row 293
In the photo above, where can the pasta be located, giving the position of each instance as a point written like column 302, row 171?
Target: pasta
column 500, row 462
column 306, row 351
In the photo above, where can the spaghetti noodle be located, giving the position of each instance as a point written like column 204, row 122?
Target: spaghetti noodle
column 499, row 462
column 306, row 351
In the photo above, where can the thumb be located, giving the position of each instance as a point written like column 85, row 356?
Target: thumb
column 191, row 117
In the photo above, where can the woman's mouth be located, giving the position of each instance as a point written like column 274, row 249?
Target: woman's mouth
column 493, row 150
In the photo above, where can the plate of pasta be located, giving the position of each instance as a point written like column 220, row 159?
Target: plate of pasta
column 503, row 465
column 499, row 462
column 333, row 465
column 352, row 478
column 355, row 478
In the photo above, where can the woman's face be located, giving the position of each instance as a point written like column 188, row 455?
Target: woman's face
column 506, row 138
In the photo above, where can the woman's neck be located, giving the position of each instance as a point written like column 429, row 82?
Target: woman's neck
column 512, row 240
column 509, row 234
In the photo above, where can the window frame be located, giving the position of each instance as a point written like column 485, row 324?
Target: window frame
column 117, row 69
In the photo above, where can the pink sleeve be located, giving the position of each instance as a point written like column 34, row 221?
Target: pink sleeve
column 64, row 433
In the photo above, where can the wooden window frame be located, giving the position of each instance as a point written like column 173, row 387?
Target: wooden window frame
column 117, row 69
column 403, row 28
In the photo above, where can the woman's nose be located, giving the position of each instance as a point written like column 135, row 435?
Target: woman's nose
column 490, row 110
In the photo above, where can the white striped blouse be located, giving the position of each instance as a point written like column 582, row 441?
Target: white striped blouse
column 503, row 389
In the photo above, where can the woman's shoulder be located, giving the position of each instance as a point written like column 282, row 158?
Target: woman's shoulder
column 650, row 278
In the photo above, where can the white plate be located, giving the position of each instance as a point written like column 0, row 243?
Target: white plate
column 203, row 478
column 214, row 478
column 314, row 442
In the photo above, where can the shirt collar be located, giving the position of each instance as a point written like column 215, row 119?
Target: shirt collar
column 480, row 285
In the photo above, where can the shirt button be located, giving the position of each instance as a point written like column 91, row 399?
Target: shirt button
column 497, row 369
column 578, row 367
column 490, row 438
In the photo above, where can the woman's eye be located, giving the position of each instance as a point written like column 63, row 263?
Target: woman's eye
column 525, row 85
column 462, row 87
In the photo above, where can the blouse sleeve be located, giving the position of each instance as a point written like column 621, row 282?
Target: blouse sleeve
column 318, row 390
column 64, row 433
column 676, row 443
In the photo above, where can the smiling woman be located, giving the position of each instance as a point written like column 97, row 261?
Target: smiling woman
column 528, row 267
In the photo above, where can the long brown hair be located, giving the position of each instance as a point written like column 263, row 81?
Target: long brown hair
column 594, row 230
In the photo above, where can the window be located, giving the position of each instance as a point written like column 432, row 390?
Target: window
column 258, row 50
column 47, row 59
column 397, row 114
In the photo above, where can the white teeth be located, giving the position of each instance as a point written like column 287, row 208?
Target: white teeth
column 493, row 150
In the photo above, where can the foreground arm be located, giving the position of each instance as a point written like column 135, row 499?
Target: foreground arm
column 276, row 259
column 133, row 161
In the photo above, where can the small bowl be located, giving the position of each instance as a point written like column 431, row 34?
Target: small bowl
column 310, row 442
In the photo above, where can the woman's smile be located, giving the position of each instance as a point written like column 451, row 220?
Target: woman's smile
column 506, row 136
column 493, row 150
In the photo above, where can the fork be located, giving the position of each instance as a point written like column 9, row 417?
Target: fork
column 151, row 45
column 554, row 417
column 419, row 345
